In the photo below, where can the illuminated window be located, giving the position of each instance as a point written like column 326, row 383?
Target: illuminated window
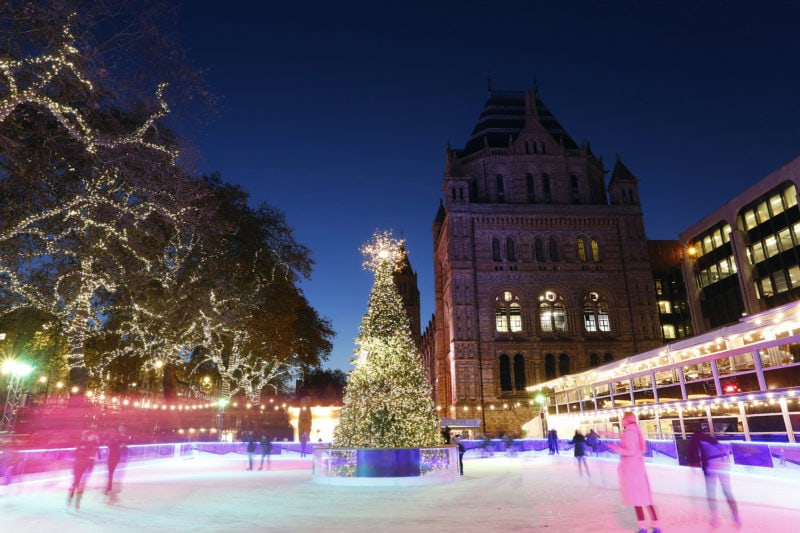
column 589, row 318
column 552, row 316
column 595, row 314
column 508, row 313
column 595, row 251
column 581, row 251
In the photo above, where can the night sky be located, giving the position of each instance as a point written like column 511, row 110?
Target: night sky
column 338, row 113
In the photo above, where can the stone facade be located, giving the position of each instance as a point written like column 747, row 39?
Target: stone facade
column 540, row 271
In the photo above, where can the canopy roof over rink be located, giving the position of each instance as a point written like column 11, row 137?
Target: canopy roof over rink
column 741, row 382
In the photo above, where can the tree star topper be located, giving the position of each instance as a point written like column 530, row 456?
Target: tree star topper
column 382, row 248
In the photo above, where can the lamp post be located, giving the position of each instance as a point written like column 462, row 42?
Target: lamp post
column 17, row 371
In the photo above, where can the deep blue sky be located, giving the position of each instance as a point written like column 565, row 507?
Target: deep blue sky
column 338, row 113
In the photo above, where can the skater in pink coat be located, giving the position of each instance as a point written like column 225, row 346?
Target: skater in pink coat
column 633, row 482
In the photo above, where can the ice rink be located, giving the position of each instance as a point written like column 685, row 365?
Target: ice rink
column 500, row 493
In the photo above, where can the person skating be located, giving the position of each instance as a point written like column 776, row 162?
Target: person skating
column 85, row 454
column 633, row 481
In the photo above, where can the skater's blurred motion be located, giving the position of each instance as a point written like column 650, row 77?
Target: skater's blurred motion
column 84, row 462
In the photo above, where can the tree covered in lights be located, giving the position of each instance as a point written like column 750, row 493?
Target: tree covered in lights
column 387, row 401
column 135, row 265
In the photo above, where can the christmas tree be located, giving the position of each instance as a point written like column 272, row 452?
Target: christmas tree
column 387, row 401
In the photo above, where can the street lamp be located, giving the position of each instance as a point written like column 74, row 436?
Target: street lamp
column 17, row 370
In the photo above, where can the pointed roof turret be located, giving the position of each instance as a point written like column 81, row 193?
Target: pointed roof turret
column 623, row 185
column 621, row 173
column 440, row 214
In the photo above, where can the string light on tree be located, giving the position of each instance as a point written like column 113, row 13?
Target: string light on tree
column 387, row 401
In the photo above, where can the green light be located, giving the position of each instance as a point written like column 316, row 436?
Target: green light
column 16, row 368
column 540, row 399
column 222, row 402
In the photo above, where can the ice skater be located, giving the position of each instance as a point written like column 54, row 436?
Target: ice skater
column 251, row 450
column 552, row 442
column 633, row 481
column 266, row 450
column 84, row 462
column 593, row 440
column 579, row 441
column 461, row 451
column 303, row 442
column 705, row 451
column 117, row 450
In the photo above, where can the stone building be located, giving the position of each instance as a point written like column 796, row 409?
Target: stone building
column 540, row 270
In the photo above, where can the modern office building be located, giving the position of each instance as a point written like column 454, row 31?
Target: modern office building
column 673, row 307
column 744, row 258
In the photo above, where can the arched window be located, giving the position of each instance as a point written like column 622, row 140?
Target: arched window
column 549, row 366
column 501, row 189
column 559, row 317
column 581, row 250
column 595, row 314
column 529, row 184
column 608, row 357
column 505, row 373
column 552, row 313
column 594, row 359
column 519, row 372
column 563, row 364
column 511, row 254
column 603, row 320
column 508, row 313
column 595, row 251
column 573, row 181
column 538, row 249
column 553, row 249
column 495, row 250
column 546, row 317
column 589, row 318
column 546, row 189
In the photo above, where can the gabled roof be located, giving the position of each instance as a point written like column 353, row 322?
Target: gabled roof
column 504, row 116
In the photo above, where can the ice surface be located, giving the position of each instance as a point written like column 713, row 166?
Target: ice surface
column 509, row 494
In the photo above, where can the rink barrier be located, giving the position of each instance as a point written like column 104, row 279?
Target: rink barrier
column 384, row 466
column 760, row 457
